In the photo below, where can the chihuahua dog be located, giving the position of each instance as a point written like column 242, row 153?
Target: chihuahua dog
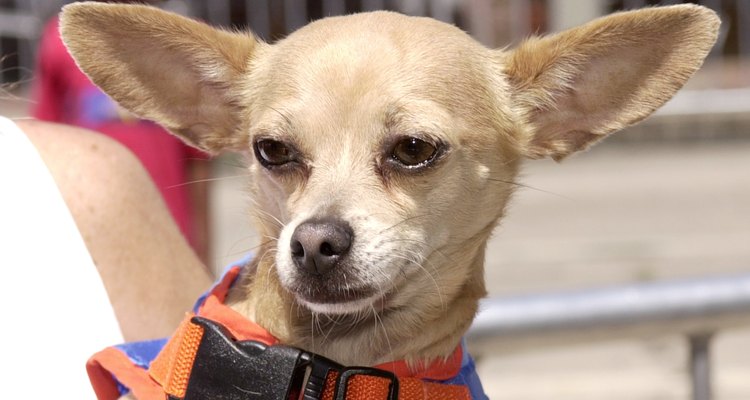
column 382, row 149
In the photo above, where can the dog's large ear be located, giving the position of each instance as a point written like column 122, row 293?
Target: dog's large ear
column 575, row 87
column 178, row 72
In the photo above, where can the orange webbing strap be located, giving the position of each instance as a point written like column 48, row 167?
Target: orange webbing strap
column 171, row 368
column 111, row 361
column 366, row 387
column 417, row 389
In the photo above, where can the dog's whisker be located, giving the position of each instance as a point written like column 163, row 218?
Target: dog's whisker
column 268, row 237
column 313, row 315
column 428, row 273
column 270, row 240
column 319, row 325
column 272, row 263
column 420, row 242
column 226, row 162
column 272, row 266
column 220, row 178
column 397, row 224
column 330, row 329
column 427, row 247
column 260, row 213
column 283, row 116
column 232, row 252
column 525, row 186
column 266, row 253
column 385, row 332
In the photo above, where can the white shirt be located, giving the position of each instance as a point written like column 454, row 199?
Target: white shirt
column 56, row 312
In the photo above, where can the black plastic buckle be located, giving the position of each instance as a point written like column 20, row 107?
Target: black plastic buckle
column 225, row 368
column 348, row 373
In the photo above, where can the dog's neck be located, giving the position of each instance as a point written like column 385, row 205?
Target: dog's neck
column 417, row 333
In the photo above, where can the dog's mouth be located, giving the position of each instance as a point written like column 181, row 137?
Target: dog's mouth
column 337, row 295
column 329, row 298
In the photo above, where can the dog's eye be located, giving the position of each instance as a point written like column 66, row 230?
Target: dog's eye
column 273, row 152
column 413, row 152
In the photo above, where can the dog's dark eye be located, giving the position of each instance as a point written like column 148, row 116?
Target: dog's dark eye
column 273, row 152
column 413, row 152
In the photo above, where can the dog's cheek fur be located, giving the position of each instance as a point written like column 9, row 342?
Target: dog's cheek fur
column 267, row 197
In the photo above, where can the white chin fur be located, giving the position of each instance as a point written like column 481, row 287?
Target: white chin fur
column 350, row 307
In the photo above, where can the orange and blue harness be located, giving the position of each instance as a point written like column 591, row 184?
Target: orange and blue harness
column 217, row 353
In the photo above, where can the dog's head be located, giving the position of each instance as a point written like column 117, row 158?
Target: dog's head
column 385, row 147
column 380, row 162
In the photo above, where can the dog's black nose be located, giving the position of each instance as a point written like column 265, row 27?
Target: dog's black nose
column 318, row 245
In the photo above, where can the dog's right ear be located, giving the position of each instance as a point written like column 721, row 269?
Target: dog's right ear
column 178, row 72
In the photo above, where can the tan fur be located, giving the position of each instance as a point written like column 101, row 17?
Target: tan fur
column 339, row 89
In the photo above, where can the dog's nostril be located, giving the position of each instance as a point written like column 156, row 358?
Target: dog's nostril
column 327, row 250
column 297, row 249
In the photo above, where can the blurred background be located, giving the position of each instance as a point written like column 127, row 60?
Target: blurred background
column 669, row 198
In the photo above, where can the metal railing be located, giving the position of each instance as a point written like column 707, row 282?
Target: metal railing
column 693, row 308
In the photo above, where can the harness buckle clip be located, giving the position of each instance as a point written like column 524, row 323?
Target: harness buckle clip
column 227, row 368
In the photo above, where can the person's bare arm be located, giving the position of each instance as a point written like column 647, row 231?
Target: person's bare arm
column 151, row 275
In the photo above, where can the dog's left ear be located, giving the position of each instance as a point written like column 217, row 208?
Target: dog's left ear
column 578, row 86
column 178, row 72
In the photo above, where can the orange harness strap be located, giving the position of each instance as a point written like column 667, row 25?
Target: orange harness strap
column 171, row 369
column 363, row 387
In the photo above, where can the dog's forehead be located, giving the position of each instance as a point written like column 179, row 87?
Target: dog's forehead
column 378, row 25
column 376, row 45
column 362, row 67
